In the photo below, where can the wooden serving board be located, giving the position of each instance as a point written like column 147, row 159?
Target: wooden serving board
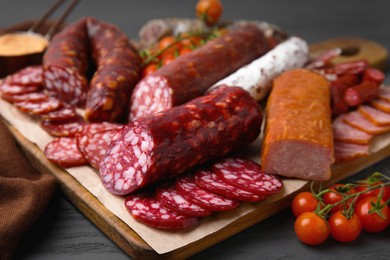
column 136, row 239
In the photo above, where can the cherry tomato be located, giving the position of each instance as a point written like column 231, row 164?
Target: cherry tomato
column 372, row 222
column 336, row 195
column 184, row 50
column 150, row 68
column 303, row 202
column 311, row 229
column 209, row 10
column 167, row 41
column 343, row 229
column 375, row 192
column 168, row 58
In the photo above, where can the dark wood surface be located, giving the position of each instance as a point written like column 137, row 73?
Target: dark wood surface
column 64, row 233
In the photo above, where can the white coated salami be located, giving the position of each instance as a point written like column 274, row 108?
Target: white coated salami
column 256, row 77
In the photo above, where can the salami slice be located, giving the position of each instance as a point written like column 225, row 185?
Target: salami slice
column 170, row 198
column 186, row 186
column 64, row 152
column 65, row 114
column 12, row 89
column 189, row 76
column 96, row 145
column 146, row 209
column 346, row 133
column 168, row 143
column 210, row 181
column 346, row 152
column 29, row 76
column 247, row 175
column 39, row 108
column 358, row 121
column 376, row 116
column 28, row 97
column 62, row 129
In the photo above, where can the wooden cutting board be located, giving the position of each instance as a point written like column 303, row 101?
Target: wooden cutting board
column 131, row 243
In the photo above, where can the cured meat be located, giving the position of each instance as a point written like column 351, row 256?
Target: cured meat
column 187, row 187
column 357, row 120
column 65, row 64
column 256, row 77
column 12, row 89
column 384, row 93
column 190, row 75
column 118, row 69
column 247, row 175
column 64, row 152
column 298, row 140
column 29, row 76
column 28, row 97
column 62, row 129
column 172, row 200
column 381, row 104
column 39, row 108
column 64, row 114
column 346, row 152
column 361, row 93
column 210, row 181
column 346, row 133
column 376, row 116
column 168, row 143
column 146, row 209
column 96, row 145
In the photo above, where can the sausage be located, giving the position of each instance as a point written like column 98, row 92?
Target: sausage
column 256, row 77
column 298, row 139
column 190, row 75
column 65, row 64
column 118, row 69
column 168, row 143
column 64, row 152
column 118, row 65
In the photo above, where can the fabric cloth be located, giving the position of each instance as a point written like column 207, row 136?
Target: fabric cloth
column 24, row 193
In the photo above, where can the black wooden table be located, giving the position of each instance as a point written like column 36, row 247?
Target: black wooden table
column 64, row 233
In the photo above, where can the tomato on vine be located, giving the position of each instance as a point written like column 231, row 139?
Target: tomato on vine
column 374, row 192
column 335, row 195
column 344, row 229
column 304, row 202
column 209, row 11
column 150, row 68
column 311, row 229
column 368, row 209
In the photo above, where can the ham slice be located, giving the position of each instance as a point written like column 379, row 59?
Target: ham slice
column 384, row 93
column 376, row 116
column 348, row 134
column 357, row 120
column 346, row 152
column 381, row 104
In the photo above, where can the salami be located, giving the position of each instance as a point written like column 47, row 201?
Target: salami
column 298, row 139
column 187, row 187
column 62, row 129
column 146, row 209
column 64, row 152
column 190, row 75
column 64, row 114
column 247, row 175
column 29, row 76
column 168, row 143
column 256, row 77
column 39, row 108
column 28, row 97
column 210, row 181
column 13, row 89
column 172, row 200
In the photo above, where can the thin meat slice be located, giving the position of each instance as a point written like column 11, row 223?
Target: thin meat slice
column 39, row 108
column 374, row 115
column 146, row 209
column 186, row 186
column 381, row 104
column 64, row 114
column 13, row 89
column 346, row 152
column 170, row 198
column 29, row 76
column 247, row 175
column 28, row 97
column 346, row 133
column 64, row 152
column 210, row 181
column 63, row 129
column 358, row 121
column 384, row 93
column 96, row 146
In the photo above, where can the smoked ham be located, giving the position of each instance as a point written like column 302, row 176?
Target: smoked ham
column 298, row 140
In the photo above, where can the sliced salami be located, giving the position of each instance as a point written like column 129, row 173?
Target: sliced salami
column 12, row 89
column 358, row 121
column 247, row 175
column 96, row 145
column 62, row 129
column 170, row 198
column 346, row 152
column 381, row 104
column 346, row 133
column 64, row 152
column 376, row 116
column 39, row 108
column 29, row 76
column 146, row 209
column 210, row 181
column 65, row 114
column 186, row 186
column 28, row 97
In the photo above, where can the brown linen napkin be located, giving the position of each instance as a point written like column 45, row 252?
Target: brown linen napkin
column 24, row 193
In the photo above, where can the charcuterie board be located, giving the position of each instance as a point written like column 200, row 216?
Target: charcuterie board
column 83, row 188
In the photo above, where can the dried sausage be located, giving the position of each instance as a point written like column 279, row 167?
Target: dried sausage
column 64, row 152
column 168, row 143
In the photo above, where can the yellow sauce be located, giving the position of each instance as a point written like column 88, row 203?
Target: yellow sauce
column 15, row 44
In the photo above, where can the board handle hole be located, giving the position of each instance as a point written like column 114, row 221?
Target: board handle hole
column 350, row 51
